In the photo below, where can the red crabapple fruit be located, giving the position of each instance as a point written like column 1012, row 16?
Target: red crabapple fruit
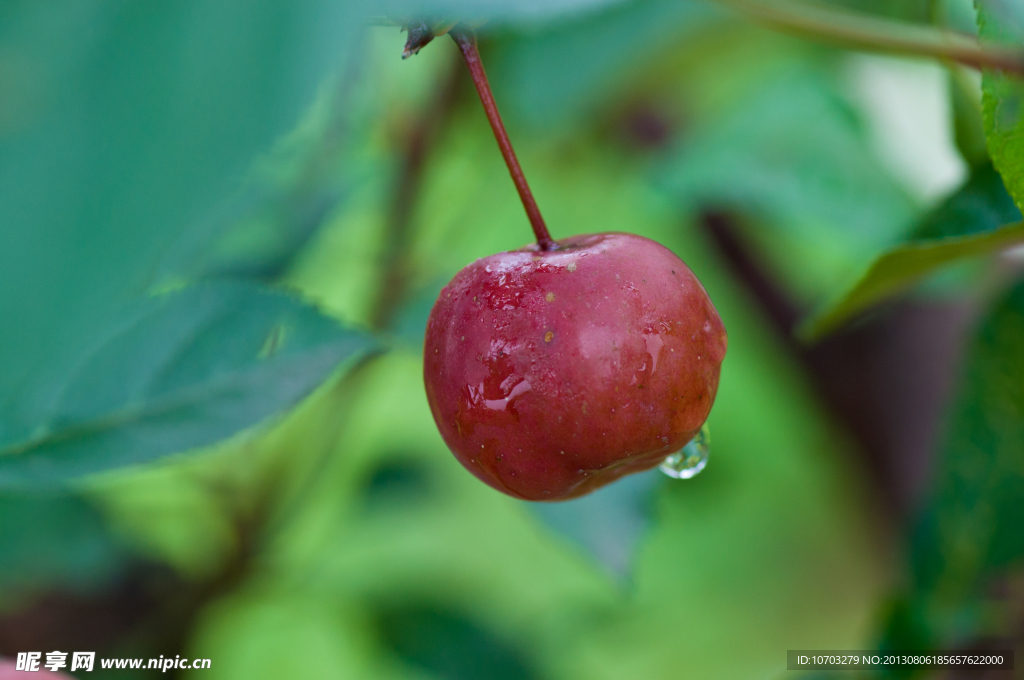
column 551, row 373
column 557, row 368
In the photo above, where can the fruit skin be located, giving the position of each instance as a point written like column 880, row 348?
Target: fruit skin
column 552, row 373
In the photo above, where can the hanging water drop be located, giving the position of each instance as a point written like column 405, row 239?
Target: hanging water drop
column 691, row 459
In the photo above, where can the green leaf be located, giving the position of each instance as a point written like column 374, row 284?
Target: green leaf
column 970, row 223
column 973, row 525
column 1003, row 96
column 124, row 124
column 175, row 372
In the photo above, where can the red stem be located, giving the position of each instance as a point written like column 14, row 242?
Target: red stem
column 466, row 41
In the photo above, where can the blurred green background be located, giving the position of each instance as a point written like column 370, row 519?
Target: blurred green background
column 223, row 225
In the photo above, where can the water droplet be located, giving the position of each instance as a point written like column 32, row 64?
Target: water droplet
column 502, row 404
column 654, row 344
column 693, row 457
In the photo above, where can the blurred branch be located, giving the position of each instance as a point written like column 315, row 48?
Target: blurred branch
column 396, row 263
column 886, row 379
column 290, row 501
column 873, row 34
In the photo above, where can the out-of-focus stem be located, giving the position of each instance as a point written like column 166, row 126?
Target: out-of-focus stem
column 466, row 41
column 396, row 262
column 874, row 34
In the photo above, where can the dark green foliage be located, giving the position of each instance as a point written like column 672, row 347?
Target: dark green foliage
column 451, row 646
column 397, row 481
column 969, row 534
column 980, row 205
column 974, row 523
column 173, row 372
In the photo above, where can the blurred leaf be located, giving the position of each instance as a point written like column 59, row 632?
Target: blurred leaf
column 608, row 523
column 451, row 646
column 48, row 538
column 257, row 633
column 767, row 156
column 176, row 372
column 410, row 323
column 974, row 522
column 1002, row 21
column 971, row 222
column 291, row 192
column 122, row 125
column 501, row 10
column 547, row 76
column 396, row 482
column 256, row 235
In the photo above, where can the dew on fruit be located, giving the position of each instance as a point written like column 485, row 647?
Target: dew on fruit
column 691, row 459
column 654, row 344
column 571, row 267
column 521, row 387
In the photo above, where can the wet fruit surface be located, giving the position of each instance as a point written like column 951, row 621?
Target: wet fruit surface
column 551, row 373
